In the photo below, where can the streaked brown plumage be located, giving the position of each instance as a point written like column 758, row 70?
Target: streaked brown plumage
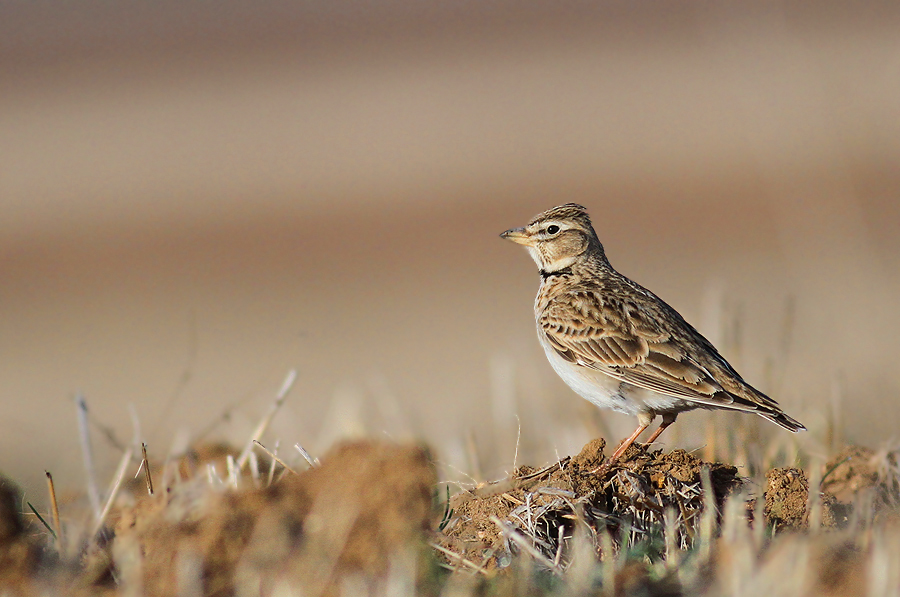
column 616, row 343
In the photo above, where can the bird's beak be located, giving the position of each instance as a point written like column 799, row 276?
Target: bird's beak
column 518, row 236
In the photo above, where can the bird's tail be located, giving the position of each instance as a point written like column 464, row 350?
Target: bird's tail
column 755, row 401
column 779, row 418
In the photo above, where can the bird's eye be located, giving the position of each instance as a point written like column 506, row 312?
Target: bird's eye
column 552, row 229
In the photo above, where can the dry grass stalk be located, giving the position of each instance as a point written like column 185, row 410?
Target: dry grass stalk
column 87, row 455
column 455, row 557
column 264, row 423
column 658, row 524
column 275, row 459
column 309, row 459
column 54, row 509
column 145, row 464
column 113, row 490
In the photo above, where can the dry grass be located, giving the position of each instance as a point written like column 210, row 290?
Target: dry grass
column 669, row 524
column 371, row 519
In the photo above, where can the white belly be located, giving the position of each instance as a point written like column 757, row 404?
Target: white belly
column 606, row 391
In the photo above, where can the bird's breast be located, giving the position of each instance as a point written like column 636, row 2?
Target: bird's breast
column 592, row 385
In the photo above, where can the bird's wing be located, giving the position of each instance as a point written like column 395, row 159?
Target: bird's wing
column 633, row 345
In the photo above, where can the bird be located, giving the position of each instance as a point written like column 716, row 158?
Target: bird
column 617, row 344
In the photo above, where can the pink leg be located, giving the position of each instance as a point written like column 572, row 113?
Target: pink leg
column 644, row 423
column 666, row 421
column 625, row 444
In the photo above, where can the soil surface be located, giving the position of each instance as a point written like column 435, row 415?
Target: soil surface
column 631, row 497
column 363, row 507
column 369, row 509
column 856, row 470
column 19, row 553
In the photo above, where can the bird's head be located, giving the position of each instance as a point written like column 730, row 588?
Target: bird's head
column 558, row 238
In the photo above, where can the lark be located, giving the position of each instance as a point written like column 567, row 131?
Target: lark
column 617, row 344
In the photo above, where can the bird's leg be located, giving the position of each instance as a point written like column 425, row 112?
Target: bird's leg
column 644, row 420
column 667, row 419
column 624, row 445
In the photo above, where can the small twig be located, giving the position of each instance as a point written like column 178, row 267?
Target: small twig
column 509, row 498
column 560, row 541
column 459, row 558
column 312, row 461
column 87, row 454
column 518, row 438
column 556, row 492
column 275, row 458
column 272, row 465
column 232, row 472
column 492, row 488
column 547, row 470
column 267, row 419
column 508, row 532
column 145, row 464
column 54, row 509
column 41, row 518
column 254, row 469
column 114, row 490
column 686, row 518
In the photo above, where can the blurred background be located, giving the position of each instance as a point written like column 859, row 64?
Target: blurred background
column 196, row 198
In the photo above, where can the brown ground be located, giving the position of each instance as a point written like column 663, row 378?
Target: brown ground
column 787, row 501
column 364, row 507
column 856, row 470
column 368, row 511
column 19, row 554
column 633, row 495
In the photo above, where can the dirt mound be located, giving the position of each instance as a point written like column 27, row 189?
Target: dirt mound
column 787, row 493
column 545, row 504
column 629, row 504
column 788, row 504
column 19, row 554
column 655, row 523
column 353, row 516
column 857, row 470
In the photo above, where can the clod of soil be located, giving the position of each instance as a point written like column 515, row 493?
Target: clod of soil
column 19, row 555
column 11, row 524
column 354, row 515
column 849, row 472
column 856, row 470
column 787, row 501
column 545, row 504
column 787, row 492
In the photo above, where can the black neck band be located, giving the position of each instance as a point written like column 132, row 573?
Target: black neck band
column 566, row 271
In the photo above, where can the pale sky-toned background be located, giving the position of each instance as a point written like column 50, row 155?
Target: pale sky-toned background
column 194, row 200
